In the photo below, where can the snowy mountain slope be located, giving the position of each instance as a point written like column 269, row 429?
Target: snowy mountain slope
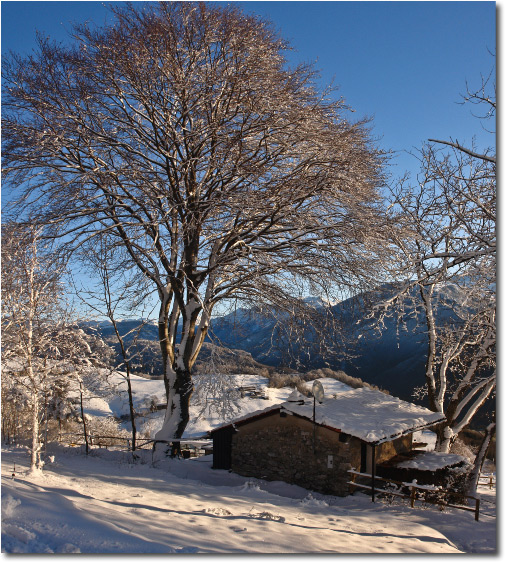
column 147, row 355
column 105, row 504
column 393, row 358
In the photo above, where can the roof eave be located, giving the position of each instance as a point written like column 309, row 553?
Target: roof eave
column 406, row 432
column 261, row 414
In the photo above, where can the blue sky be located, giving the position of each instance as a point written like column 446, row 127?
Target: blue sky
column 403, row 63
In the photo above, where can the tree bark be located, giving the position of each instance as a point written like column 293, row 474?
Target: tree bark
column 132, row 410
column 445, row 438
column 83, row 419
column 480, row 458
column 36, row 446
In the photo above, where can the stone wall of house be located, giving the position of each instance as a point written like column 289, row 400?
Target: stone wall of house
column 282, row 448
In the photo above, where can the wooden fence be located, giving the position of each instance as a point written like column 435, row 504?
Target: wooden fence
column 415, row 491
column 107, row 441
column 487, row 480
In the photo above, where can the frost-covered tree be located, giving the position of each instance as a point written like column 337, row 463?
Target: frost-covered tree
column 215, row 169
column 449, row 255
column 216, row 391
column 42, row 347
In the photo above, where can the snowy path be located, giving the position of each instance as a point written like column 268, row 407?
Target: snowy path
column 93, row 505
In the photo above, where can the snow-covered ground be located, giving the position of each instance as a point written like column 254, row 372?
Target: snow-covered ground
column 104, row 503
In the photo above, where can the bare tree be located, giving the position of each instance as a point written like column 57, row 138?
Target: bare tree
column 114, row 297
column 216, row 170
column 41, row 343
column 449, row 255
column 30, row 292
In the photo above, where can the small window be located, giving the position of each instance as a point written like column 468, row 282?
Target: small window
column 343, row 437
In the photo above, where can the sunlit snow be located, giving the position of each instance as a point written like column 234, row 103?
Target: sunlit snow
column 104, row 503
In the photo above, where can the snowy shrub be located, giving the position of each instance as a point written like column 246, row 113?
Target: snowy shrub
column 277, row 380
column 459, row 447
column 391, row 497
column 216, row 393
column 221, row 511
column 353, row 382
column 268, row 516
column 66, row 431
column 251, row 486
column 280, row 380
column 15, row 409
column 452, row 485
column 106, row 432
column 150, row 427
column 311, row 501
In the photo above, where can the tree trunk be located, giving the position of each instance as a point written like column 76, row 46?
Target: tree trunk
column 436, row 402
column 480, row 458
column 36, row 446
column 183, row 391
column 177, row 367
column 132, row 410
column 177, row 414
column 46, row 430
column 84, row 420
column 445, row 438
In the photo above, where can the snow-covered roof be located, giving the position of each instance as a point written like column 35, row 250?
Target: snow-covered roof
column 368, row 414
column 248, row 416
column 432, row 461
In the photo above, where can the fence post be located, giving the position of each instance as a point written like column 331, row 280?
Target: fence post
column 373, row 472
column 477, row 509
column 412, row 496
column 351, row 483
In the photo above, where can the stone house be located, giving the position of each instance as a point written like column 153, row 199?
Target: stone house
column 314, row 445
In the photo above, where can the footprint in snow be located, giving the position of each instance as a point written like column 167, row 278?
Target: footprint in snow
column 187, row 550
column 238, row 529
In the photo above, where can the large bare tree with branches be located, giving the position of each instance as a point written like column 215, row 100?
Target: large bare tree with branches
column 216, row 171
